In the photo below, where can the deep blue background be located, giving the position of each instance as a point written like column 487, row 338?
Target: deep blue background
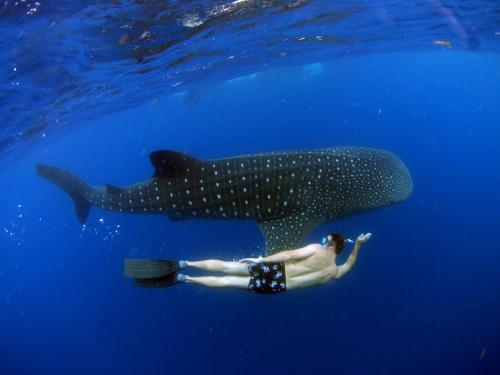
column 423, row 297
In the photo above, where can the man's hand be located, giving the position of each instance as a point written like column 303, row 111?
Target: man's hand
column 362, row 238
column 252, row 260
column 349, row 263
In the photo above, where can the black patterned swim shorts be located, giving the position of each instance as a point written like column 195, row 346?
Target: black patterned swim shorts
column 267, row 277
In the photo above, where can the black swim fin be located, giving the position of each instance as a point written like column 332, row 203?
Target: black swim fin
column 157, row 282
column 149, row 268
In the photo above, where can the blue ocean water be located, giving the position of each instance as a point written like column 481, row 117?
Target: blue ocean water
column 424, row 295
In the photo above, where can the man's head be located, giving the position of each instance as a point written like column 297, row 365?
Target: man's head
column 336, row 241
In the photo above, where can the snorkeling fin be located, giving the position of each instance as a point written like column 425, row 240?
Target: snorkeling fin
column 152, row 273
column 150, row 269
column 158, row 282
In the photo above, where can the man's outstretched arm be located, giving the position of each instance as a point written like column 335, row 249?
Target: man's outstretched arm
column 284, row 256
column 346, row 267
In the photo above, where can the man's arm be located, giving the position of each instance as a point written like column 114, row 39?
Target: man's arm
column 346, row 267
column 284, row 256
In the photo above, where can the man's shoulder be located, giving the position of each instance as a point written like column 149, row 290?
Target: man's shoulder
column 313, row 246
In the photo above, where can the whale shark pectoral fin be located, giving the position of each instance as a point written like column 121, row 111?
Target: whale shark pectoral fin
column 286, row 233
column 111, row 189
column 170, row 164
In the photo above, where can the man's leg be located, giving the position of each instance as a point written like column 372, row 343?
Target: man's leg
column 239, row 282
column 215, row 265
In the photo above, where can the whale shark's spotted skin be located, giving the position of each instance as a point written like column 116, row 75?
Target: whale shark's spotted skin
column 287, row 193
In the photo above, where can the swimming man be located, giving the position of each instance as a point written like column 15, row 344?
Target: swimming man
column 311, row 265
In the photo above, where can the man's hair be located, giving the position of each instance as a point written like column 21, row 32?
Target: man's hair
column 339, row 242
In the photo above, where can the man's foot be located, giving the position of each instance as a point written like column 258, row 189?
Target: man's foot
column 181, row 277
column 182, row 264
column 362, row 238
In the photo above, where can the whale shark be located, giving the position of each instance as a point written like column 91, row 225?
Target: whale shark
column 288, row 193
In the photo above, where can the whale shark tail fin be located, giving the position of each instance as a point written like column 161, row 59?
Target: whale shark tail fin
column 71, row 184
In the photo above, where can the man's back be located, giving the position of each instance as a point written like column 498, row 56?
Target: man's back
column 315, row 269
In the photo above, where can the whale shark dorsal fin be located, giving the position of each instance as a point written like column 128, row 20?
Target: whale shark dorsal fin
column 170, row 164
column 111, row 189
column 286, row 233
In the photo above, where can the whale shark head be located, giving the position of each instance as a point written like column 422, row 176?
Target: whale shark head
column 395, row 184
column 365, row 179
